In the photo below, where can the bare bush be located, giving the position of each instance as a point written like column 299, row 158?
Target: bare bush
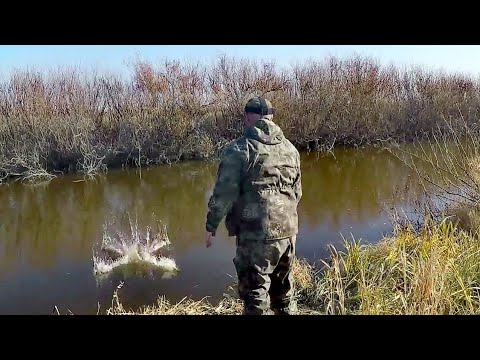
column 65, row 120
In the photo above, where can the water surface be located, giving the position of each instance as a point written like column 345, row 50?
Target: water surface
column 47, row 232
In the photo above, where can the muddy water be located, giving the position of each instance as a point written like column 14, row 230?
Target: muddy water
column 47, row 232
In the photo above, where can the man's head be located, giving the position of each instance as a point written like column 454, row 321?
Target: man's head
column 256, row 108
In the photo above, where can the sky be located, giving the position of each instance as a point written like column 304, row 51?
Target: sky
column 451, row 58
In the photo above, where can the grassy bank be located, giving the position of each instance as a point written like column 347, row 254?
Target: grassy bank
column 66, row 120
column 305, row 277
column 434, row 271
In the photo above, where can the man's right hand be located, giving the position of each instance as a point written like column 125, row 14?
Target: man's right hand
column 209, row 236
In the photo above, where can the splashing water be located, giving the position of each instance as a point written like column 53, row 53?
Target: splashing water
column 133, row 253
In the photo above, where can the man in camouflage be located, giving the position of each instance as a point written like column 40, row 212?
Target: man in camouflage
column 257, row 190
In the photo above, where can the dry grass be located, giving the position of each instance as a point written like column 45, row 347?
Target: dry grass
column 304, row 275
column 228, row 306
column 465, row 217
column 434, row 272
column 65, row 120
column 447, row 166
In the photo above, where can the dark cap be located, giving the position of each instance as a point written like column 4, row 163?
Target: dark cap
column 259, row 105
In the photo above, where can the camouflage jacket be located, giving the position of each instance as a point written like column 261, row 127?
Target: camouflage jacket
column 258, row 185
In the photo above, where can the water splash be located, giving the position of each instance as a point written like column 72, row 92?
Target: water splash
column 133, row 253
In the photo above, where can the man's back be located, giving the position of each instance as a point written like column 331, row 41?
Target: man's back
column 266, row 169
column 258, row 188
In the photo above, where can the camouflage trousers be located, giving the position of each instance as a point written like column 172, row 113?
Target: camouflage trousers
column 265, row 280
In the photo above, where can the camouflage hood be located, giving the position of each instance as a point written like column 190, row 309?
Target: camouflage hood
column 265, row 131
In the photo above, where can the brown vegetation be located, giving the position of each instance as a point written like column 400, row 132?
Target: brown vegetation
column 65, row 120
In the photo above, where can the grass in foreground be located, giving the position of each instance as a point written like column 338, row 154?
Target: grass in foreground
column 229, row 305
column 435, row 271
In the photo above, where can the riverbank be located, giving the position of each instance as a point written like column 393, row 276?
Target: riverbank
column 230, row 305
column 70, row 120
column 433, row 271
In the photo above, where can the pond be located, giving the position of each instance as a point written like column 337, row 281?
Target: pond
column 47, row 232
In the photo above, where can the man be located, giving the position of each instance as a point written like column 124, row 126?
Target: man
column 257, row 190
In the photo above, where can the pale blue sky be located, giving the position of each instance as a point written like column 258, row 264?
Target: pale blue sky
column 462, row 58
